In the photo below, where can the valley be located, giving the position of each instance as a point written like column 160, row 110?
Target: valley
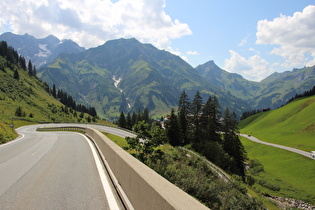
column 125, row 75
column 137, row 75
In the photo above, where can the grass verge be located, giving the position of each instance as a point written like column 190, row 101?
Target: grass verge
column 286, row 174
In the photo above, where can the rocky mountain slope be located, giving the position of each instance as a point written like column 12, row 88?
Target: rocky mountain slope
column 273, row 91
column 40, row 51
column 125, row 75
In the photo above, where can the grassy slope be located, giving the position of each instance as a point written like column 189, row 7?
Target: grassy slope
column 291, row 125
column 6, row 133
column 28, row 93
column 293, row 173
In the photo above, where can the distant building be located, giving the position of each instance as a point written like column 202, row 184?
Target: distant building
column 266, row 109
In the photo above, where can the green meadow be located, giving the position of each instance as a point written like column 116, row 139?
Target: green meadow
column 285, row 174
column 292, row 125
column 292, row 175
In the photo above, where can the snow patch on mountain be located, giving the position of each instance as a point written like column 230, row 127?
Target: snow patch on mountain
column 116, row 82
column 43, row 51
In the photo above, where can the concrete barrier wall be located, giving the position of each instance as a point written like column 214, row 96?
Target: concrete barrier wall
column 144, row 188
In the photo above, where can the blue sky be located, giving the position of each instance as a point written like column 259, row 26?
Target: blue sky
column 249, row 37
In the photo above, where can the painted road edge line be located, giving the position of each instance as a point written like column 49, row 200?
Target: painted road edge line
column 13, row 141
column 105, row 181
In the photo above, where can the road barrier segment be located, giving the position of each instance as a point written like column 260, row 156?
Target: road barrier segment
column 144, row 188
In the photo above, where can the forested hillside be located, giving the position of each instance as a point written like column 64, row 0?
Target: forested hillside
column 24, row 96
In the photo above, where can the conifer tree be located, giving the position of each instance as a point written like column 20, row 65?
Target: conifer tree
column 183, row 112
column 122, row 120
column 210, row 120
column 172, row 130
column 30, row 68
column 232, row 144
column 34, row 73
column 196, row 111
column 16, row 75
column 54, row 92
column 129, row 121
column 146, row 115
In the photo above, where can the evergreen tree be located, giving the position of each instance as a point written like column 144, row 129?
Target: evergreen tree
column 19, row 112
column 172, row 130
column 3, row 48
column 146, row 115
column 183, row 112
column 139, row 116
column 30, row 68
column 232, row 144
column 210, row 120
column 133, row 119
column 16, row 75
column 34, row 73
column 54, row 93
column 196, row 111
column 122, row 121
column 22, row 63
column 129, row 121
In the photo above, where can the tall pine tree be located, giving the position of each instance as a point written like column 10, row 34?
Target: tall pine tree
column 232, row 144
column 172, row 130
column 196, row 111
column 122, row 120
column 183, row 114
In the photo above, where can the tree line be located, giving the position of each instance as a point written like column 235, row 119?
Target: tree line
column 195, row 124
column 133, row 118
column 13, row 57
column 210, row 133
column 68, row 100
column 307, row 93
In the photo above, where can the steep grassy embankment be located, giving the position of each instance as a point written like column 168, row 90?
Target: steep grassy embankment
column 292, row 125
column 285, row 174
column 24, row 96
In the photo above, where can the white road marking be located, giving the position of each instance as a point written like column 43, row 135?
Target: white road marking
column 105, row 181
column 13, row 141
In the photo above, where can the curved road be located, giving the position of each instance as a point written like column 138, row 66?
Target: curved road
column 53, row 170
column 301, row 152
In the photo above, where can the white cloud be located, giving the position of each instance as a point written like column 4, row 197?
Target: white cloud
column 193, row 53
column 254, row 68
column 293, row 35
column 92, row 22
column 243, row 42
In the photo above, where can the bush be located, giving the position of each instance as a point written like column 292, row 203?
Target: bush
column 269, row 185
column 255, row 167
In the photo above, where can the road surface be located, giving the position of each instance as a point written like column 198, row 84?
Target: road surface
column 301, row 152
column 53, row 170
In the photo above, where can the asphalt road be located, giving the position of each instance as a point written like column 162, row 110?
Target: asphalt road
column 301, row 152
column 52, row 170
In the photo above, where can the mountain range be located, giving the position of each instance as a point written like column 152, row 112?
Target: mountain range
column 125, row 75
column 40, row 51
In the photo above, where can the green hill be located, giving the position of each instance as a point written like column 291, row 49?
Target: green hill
column 125, row 75
column 292, row 125
column 285, row 174
column 272, row 92
column 25, row 97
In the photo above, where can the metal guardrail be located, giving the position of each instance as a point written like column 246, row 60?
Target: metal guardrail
column 83, row 123
column 62, row 128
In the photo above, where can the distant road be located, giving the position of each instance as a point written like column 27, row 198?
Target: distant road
column 301, row 152
column 52, row 170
